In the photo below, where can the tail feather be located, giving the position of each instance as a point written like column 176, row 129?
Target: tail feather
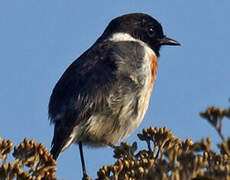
column 60, row 136
column 55, row 151
column 61, row 140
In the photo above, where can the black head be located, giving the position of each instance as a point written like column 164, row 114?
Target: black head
column 140, row 26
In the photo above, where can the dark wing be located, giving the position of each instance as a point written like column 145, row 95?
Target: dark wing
column 87, row 85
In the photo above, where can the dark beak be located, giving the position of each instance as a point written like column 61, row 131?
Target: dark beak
column 167, row 41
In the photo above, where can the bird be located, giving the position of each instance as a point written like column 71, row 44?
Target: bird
column 102, row 97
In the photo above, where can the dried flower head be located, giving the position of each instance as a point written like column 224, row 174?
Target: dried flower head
column 167, row 157
column 32, row 161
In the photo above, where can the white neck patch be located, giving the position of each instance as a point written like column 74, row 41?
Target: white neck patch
column 122, row 37
column 116, row 37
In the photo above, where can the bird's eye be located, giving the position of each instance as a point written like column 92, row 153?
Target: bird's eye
column 151, row 31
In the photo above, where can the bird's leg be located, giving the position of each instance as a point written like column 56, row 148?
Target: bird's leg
column 85, row 176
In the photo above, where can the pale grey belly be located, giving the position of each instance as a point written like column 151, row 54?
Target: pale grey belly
column 104, row 129
column 101, row 129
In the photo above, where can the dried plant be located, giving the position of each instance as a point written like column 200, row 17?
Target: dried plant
column 32, row 161
column 168, row 158
column 164, row 158
column 214, row 116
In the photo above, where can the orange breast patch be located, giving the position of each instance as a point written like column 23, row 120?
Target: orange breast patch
column 154, row 65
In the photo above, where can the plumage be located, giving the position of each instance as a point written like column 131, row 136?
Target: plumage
column 104, row 94
column 104, row 88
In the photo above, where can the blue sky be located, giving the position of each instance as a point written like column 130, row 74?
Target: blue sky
column 39, row 39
